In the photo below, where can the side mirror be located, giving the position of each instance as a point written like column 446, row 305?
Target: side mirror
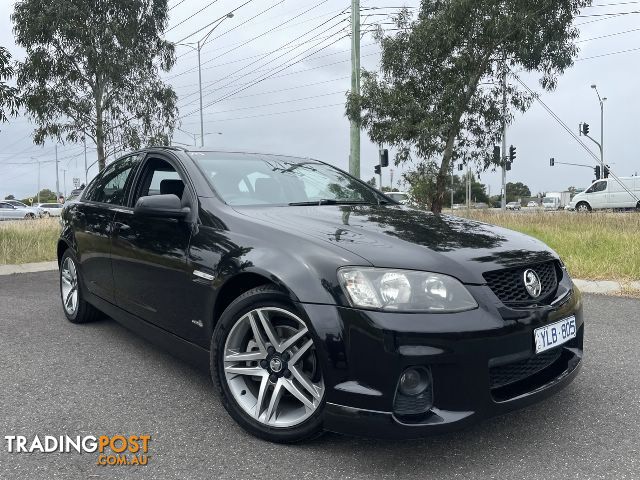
column 167, row 206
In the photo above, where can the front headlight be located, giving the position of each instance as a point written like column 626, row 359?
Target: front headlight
column 404, row 290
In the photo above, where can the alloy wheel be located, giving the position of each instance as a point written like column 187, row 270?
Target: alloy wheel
column 271, row 367
column 69, row 287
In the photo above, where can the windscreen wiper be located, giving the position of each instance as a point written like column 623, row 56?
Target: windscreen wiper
column 329, row 201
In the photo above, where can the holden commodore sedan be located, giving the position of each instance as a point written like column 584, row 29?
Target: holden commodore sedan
column 317, row 302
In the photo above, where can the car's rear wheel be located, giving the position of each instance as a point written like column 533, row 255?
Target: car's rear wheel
column 583, row 207
column 265, row 365
column 75, row 308
column 47, row 214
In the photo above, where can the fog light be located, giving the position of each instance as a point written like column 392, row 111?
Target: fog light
column 413, row 381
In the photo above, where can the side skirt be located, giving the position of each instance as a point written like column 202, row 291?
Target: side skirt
column 177, row 346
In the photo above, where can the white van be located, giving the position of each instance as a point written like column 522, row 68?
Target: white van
column 608, row 193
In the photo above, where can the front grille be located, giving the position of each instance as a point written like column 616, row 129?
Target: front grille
column 502, row 375
column 508, row 284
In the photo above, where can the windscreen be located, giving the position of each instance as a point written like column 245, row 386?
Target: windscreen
column 244, row 179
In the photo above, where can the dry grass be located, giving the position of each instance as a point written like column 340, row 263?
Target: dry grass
column 595, row 246
column 26, row 241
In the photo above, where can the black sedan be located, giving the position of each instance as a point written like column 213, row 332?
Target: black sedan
column 318, row 302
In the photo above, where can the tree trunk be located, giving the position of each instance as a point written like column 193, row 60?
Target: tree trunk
column 438, row 196
column 437, row 200
column 99, row 130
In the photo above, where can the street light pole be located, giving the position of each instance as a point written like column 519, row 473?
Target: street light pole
column 38, row 194
column 198, row 48
column 200, row 88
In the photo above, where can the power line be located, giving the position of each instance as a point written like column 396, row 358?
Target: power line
column 191, row 16
column 277, row 113
column 217, row 20
column 263, row 56
column 248, row 41
column 608, row 54
column 275, row 71
column 259, row 69
column 176, row 5
column 277, row 57
column 608, row 14
column 289, row 100
column 608, row 35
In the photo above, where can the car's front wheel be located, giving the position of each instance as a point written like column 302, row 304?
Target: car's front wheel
column 583, row 207
column 265, row 365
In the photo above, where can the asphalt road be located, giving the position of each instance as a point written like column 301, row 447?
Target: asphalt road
column 57, row 378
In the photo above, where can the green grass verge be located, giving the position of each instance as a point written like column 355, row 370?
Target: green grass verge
column 595, row 246
column 27, row 241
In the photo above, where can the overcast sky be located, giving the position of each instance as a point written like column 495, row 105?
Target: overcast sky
column 298, row 108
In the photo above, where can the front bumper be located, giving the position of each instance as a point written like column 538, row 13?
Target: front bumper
column 364, row 353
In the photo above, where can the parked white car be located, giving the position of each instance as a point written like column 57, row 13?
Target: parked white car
column 38, row 212
column 401, row 197
column 50, row 209
column 11, row 212
column 608, row 193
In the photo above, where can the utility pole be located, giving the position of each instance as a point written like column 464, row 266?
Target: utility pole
column 503, row 202
column 64, row 182
column 86, row 171
column 468, row 187
column 354, row 157
column 57, row 179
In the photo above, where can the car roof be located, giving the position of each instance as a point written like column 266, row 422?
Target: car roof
column 174, row 148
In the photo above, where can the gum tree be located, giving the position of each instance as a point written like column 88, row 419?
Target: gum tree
column 438, row 95
column 92, row 70
column 9, row 98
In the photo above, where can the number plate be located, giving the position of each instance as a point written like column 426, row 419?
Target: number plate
column 554, row 334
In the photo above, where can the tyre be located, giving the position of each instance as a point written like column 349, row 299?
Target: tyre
column 265, row 366
column 75, row 308
column 583, row 207
column 29, row 216
column 47, row 214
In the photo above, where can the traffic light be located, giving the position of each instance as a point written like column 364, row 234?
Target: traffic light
column 508, row 166
column 496, row 155
column 585, row 129
column 597, row 170
column 377, row 169
column 552, row 162
column 606, row 171
column 512, row 153
column 384, row 157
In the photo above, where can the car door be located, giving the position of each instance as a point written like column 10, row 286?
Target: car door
column 598, row 195
column 8, row 212
column 92, row 223
column 150, row 253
